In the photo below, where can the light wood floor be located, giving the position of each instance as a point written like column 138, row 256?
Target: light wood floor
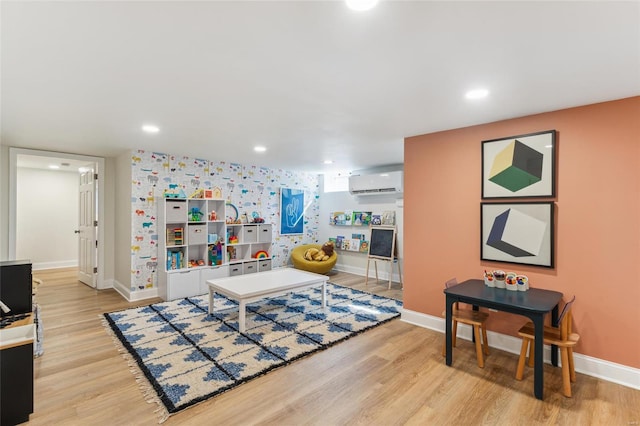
column 391, row 375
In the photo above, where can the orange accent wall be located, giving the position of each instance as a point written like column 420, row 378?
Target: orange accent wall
column 597, row 234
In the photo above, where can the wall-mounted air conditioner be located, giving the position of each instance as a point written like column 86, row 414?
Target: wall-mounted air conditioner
column 376, row 183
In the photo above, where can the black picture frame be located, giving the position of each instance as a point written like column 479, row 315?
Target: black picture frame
column 518, row 232
column 519, row 166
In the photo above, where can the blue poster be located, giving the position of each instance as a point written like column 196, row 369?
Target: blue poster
column 291, row 211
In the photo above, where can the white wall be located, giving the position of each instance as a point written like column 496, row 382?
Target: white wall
column 4, row 202
column 122, row 217
column 108, row 223
column 47, row 215
column 356, row 263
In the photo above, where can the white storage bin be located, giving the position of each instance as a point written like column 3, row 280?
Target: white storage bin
column 265, row 233
column 249, row 234
column 210, row 274
column 264, row 265
column 182, row 284
column 176, row 211
column 249, row 267
column 235, row 269
column 197, row 234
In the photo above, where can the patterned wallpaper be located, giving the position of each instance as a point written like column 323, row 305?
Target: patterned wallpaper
column 249, row 188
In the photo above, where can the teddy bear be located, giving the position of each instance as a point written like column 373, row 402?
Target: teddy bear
column 319, row 255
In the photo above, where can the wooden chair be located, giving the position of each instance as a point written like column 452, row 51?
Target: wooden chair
column 476, row 319
column 561, row 336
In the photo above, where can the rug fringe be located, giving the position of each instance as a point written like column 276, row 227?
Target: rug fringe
column 148, row 393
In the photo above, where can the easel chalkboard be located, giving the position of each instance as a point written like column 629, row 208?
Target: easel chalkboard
column 382, row 242
column 382, row 246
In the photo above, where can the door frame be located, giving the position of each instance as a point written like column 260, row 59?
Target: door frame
column 13, row 184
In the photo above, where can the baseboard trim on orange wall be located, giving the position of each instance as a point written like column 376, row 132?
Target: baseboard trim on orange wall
column 595, row 367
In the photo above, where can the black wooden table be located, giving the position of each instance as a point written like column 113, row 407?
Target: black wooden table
column 534, row 303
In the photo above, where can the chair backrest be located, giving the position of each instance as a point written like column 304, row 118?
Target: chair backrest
column 451, row 283
column 565, row 319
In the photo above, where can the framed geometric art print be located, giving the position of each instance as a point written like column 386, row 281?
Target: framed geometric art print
column 517, row 233
column 519, row 166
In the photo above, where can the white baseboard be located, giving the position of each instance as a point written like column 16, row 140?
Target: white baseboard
column 383, row 274
column 106, row 284
column 602, row 369
column 55, row 265
column 134, row 296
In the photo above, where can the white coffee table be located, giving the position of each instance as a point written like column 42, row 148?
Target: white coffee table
column 251, row 287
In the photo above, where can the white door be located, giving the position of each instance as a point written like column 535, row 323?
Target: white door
column 87, row 244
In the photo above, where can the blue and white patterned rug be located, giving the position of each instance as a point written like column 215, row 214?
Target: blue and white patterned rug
column 188, row 356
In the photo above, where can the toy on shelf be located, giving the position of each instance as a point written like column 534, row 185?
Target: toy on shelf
column 231, row 253
column 198, row 194
column 195, row 215
column 255, row 218
column 215, row 254
column 174, row 237
column 213, row 215
column 261, row 254
column 233, row 239
column 174, row 192
column 233, row 217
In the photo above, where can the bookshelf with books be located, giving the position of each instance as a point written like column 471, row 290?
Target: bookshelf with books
column 357, row 241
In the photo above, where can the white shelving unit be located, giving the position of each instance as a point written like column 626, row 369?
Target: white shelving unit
column 244, row 241
column 194, row 246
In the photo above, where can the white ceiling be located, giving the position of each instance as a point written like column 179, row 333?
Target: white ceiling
column 310, row 80
column 63, row 164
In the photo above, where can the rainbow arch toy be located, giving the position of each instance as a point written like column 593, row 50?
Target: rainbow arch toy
column 261, row 254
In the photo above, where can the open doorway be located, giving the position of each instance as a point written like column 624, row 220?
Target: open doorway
column 55, row 212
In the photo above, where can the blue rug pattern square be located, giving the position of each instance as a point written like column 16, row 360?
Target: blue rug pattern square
column 188, row 356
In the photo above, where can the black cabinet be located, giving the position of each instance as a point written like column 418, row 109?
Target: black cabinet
column 15, row 286
column 16, row 354
column 16, row 384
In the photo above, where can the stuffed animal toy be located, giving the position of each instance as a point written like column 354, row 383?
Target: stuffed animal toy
column 311, row 254
column 320, row 255
column 327, row 248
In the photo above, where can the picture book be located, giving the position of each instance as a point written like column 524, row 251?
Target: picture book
column 361, row 218
column 389, row 218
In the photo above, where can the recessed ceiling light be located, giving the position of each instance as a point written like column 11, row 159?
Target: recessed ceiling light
column 150, row 128
column 328, row 161
column 360, row 5
column 476, row 94
column 54, row 166
column 259, row 149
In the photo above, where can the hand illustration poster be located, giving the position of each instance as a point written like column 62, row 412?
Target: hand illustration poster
column 291, row 211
